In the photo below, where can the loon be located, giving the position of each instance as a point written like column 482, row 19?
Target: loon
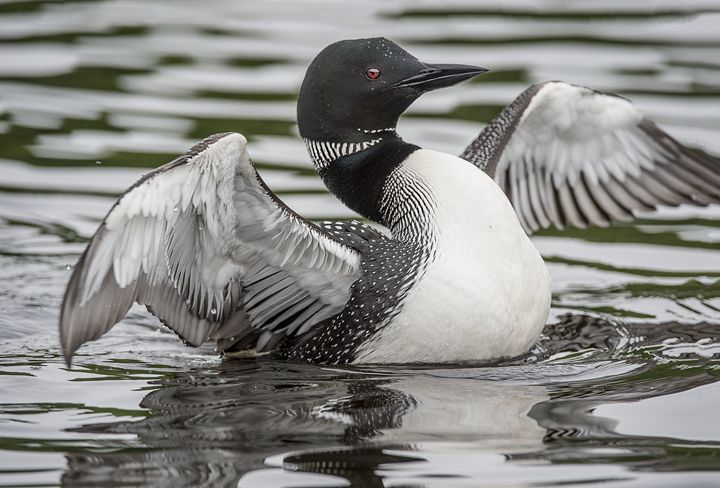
column 205, row 245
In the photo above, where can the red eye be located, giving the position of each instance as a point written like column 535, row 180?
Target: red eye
column 373, row 74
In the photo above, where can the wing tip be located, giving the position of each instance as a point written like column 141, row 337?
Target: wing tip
column 68, row 354
column 68, row 346
column 70, row 298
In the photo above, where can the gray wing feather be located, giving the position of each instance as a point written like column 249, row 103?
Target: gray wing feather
column 569, row 155
column 205, row 245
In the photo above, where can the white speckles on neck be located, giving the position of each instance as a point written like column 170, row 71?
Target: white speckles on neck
column 323, row 153
column 376, row 131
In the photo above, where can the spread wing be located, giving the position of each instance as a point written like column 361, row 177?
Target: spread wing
column 205, row 245
column 569, row 155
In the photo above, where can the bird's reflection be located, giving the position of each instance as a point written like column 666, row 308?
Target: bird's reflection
column 219, row 426
column 210, row 427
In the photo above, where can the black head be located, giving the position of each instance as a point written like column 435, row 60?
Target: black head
column 365, row 84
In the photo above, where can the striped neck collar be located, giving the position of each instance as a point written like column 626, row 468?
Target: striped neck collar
column 323, row 153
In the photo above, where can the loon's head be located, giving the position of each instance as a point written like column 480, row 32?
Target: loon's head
column 361, row 86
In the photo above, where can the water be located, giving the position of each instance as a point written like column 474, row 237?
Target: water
column 623, row 392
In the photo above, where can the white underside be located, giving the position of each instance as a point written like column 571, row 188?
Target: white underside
column 486, row 294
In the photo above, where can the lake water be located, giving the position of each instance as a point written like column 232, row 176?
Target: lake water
column 623, row 392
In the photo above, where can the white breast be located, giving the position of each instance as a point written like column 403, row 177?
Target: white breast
column 486, row 294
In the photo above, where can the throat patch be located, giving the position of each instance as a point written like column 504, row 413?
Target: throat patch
column 323, row 153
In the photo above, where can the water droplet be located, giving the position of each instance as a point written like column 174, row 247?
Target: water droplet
column 68, row 266
column 98, row 162
column 175, row 208
column 213, row 311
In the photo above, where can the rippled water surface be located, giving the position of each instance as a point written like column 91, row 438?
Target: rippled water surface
column 621, row 391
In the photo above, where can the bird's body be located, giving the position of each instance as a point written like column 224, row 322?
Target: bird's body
column 483, row 290
column 212, row 252
column 451, row 224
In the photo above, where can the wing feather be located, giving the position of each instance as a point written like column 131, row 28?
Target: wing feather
column 595, row 157
column 537, row 202
column 570, row 209
column 556, row 215
column 623, row 194
column 205, row 245
column 524, row 194
column 588, row 206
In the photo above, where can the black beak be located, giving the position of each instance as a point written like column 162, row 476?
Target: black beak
column 436, row 76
